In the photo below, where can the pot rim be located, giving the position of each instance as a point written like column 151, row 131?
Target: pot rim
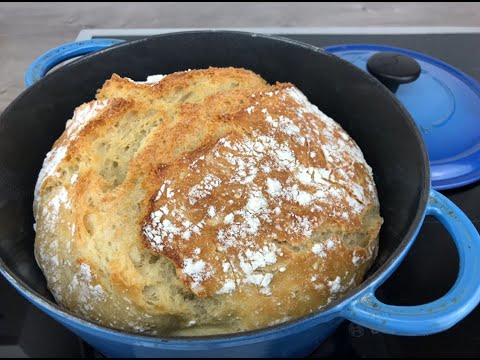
column 380, row 275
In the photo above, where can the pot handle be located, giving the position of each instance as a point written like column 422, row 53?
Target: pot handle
column 441, row 314
column 51, row 58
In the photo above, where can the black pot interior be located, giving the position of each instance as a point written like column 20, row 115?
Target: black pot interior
column 370, row 114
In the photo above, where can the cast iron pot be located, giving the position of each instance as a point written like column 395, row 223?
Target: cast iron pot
column 385, row 132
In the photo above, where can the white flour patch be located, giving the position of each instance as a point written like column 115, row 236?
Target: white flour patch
column 356, row 259
column 73, row 179
column 203, row 189
column 330, row 244
column 211, row 211
column 86, row 293
column 335, row 285
column 274, row 187
column 226, row 267
column 51, row 212
column 198, row 271
column 228, row 287
column 151, row 80
column 83, row 115
column 319, row 250
column 228, row 219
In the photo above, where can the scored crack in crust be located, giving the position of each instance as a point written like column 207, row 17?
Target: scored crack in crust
column 203, row 202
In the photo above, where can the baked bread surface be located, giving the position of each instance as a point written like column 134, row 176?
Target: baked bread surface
column 204, row 202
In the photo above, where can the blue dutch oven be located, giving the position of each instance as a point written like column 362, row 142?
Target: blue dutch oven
column 389, row 138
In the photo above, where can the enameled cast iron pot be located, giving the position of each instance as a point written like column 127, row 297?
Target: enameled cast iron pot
column 385, row 132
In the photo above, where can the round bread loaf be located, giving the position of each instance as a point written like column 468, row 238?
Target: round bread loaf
column 203, row 202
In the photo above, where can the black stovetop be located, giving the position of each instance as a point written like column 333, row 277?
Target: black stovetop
column 427, row 272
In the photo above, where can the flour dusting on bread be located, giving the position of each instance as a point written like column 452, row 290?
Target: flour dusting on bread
column 233, row 167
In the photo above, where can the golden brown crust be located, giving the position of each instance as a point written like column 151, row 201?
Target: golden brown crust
column 207, row 202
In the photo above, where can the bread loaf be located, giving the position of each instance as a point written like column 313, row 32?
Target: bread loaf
column 203, row 202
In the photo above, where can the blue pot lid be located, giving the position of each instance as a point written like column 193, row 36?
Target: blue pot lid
column 445, row 104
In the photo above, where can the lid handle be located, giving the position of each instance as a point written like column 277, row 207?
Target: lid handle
column 393, row 69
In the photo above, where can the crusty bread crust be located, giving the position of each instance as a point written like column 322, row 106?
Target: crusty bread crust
column 207, row 202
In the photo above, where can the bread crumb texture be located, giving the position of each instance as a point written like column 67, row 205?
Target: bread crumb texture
column 203, row 202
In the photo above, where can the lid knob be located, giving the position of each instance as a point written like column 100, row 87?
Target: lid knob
column 393, row 69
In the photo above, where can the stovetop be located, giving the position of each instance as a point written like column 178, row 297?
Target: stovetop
column 428, row 271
